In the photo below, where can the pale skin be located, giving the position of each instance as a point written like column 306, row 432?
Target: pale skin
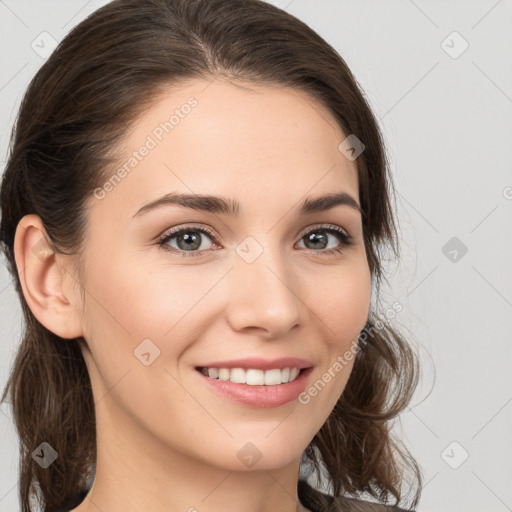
column 166, row 442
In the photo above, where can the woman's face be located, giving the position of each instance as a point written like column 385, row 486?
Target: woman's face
column 263, row 283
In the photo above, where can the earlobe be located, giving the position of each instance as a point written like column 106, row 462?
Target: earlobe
column 42, row 279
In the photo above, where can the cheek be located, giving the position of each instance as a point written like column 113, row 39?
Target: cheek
column 133, row 310
column 132, row 296
column 343, row 303
column 143, row 298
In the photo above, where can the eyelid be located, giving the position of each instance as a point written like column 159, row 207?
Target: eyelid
column 346, row 241
column 327, row 226
column 191, row 227
column 210, row 232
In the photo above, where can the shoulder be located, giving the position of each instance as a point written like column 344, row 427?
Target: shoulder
column 73, row 502
column 317, row 501
column 344, row 504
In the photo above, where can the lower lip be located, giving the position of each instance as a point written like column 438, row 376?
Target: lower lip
column 259, row 396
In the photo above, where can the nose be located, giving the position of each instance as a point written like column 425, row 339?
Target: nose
column 264, row 297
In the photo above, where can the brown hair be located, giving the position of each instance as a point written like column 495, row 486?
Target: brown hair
column 101, row 77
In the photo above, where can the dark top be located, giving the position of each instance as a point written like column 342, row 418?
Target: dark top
column 317, row 501
column 312, row 499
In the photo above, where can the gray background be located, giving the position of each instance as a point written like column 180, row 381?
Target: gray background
column 446, row 116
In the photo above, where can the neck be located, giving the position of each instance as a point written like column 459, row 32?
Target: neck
column 135, row 472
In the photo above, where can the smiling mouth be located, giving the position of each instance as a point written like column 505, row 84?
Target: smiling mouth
column 252, row 376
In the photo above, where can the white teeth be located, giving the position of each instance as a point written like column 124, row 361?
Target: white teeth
column 253, row 376
column 223, row 373
column 213, row 373
column 237, row 375
column 293, row 373
column 272, row 377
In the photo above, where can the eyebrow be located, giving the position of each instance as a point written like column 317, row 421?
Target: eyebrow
column 226, row 206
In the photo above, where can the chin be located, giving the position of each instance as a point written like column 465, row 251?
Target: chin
column 264, row 451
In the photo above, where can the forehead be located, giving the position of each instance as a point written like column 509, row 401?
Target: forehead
column 248, row 141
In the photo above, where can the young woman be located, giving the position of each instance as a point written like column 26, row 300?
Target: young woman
column 193, row 210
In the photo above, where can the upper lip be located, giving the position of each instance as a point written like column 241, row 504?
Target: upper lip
column 261, row 363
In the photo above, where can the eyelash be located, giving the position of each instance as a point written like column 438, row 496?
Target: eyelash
column 344, row 236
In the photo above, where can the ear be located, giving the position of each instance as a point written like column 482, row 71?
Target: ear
column 45, row 279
